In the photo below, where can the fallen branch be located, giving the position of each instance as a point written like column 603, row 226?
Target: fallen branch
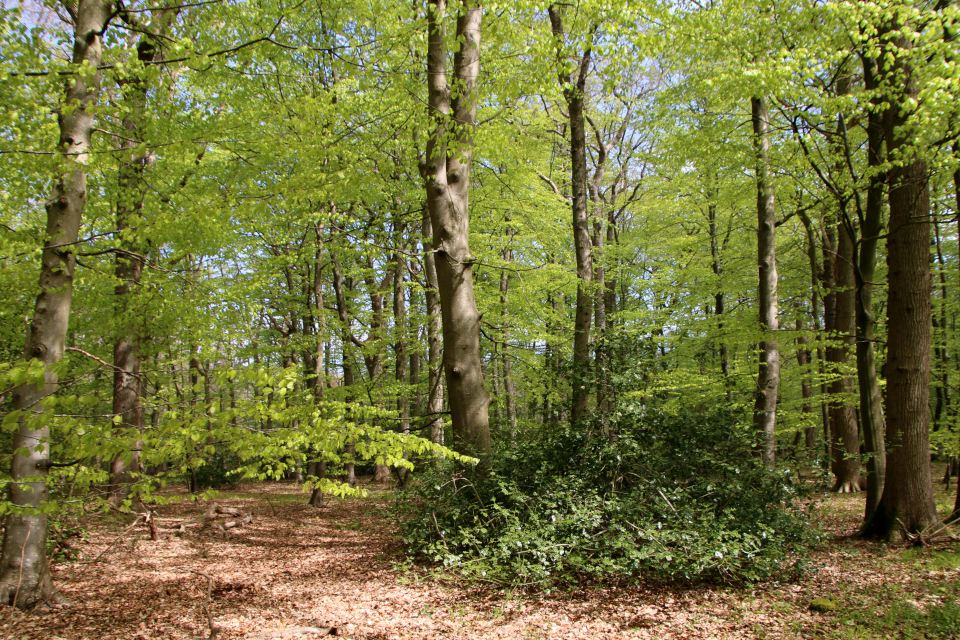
column 207, row 603
column 316, row 631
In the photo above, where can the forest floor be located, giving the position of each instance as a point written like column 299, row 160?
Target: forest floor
column 298, row 569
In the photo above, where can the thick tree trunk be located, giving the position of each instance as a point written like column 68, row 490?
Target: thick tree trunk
column 573, row 93
column 907, row 505
column 24, row 577
column 449, row 156
column 768, row 378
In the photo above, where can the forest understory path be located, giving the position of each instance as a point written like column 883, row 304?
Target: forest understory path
column 296, row 571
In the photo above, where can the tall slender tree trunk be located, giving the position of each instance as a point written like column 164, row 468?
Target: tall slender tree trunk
column 129, row 263
column 318, row 468
column 718, row 297
column 906, row 506
column 871, row 411
column 447, row 172
column 768, row 377
column 573, row 93
column 815, row 275
column 806, row 388
column 510, row 387
column 401, row 361
column 24, row 575
column 956, row 192
column 434, row 420
column 346, row 332
column 845, row 437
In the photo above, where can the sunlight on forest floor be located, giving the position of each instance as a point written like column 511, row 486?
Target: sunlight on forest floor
column 296, row 568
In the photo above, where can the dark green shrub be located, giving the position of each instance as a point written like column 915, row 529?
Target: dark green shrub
column 665, row 496
column 218, row 470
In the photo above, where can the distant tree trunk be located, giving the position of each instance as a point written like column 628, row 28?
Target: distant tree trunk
column 956, row 192
column 372, row 347
column 871, row 411
column 348, row 375
column 129, row 263
column 941, row 349
column 509, row 385
column 434, row 420
column 400, row 345
column 907, row 505
column 845, row 438
column 806, row 388
column 24, row 576
column 573, row 93
column 815, row 276
column 768, row 378
column 718, row 297
column 318, row 468
column 447, row 176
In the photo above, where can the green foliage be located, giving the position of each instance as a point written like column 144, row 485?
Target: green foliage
column 64, row 531
column 653, row 495
column 220, row 469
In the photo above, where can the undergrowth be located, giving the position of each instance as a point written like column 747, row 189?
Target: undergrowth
column 677, row 497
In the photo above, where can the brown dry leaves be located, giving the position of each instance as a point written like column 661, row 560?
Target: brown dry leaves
column 296, row 567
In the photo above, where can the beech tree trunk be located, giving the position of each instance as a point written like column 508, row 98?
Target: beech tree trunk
column 129, row 263
column 401, row 361
column 768, row 377
column 348, row 375
column 449, row 156
column 812, row 233
column 24, row 576
column 806, row 388
column 317, row 468
column 845, row 442
column 907, row 505
column 871, row 411
column 434, row 420
column 573, row 93
column 509, row 386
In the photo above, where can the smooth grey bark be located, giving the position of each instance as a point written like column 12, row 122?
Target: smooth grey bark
column 768, row 377
column 24, row 575
column 447, row 176
column 906, row 507
column 573, row 93
column 433, row 421
column 401, row 361
column 812, row 233
column 315, row 361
